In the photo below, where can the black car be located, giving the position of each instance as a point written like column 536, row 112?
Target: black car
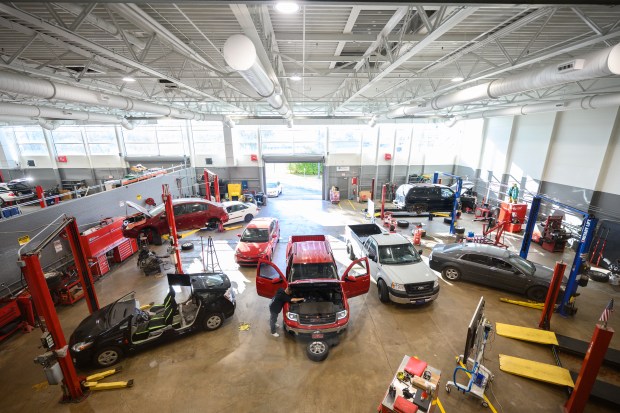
column 107, row 335
column 421, row 198
column 494, row 267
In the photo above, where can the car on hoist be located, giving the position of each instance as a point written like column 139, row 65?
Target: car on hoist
column 258, row 241
column 107, row 335
column 494, row 267
column 189, row 213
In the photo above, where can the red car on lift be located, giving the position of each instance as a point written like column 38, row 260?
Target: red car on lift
column 258, row 241
column 189, row 213
column 311, row 273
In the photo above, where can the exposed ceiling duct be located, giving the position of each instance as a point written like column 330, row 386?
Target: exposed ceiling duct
column 44, row 113
column 601, row 63
column 25, row 85
column 240, row 54
column 588, row 102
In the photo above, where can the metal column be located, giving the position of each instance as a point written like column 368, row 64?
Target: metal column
column 529, row 227
column 81, row 264
column 33, row 274
column 207, row 185
column 174, row 240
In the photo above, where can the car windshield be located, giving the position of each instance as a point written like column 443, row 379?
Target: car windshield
column 398, row 254
column 157, row 210
column 272, row 185
column 255, row 235
column 314, row 271
column 523, row 265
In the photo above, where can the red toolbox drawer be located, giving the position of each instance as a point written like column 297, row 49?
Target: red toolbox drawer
column 125, row 250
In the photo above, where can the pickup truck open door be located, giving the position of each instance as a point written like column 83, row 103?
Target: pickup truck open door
column 269, row 279
column 356, row 278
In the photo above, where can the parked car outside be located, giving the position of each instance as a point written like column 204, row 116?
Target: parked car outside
column 189, row 213
column 274, row 189
column 421, row 198
column 240, row 211
column 6, row 195
column 112, row 332
column 258, row 241
column 492, row 266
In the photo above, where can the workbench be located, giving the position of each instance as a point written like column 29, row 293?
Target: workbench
column 417, row 380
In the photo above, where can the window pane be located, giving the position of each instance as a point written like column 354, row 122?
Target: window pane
column 167, row 149
column 29, row 135
column 101, row 135
column 70, row 149
column 135, row 149
column 208, row 135
column 140, row 135
column 168, row 136
column 208, row 148
column 103, row 149
column 344, row 140
column 67, row 136
column 33, row 149
column 246, row 140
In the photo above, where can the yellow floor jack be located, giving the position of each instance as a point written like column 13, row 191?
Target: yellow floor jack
column 92, row 382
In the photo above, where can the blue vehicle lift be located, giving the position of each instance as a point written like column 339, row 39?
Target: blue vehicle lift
column 457, row 195
column 587, row 234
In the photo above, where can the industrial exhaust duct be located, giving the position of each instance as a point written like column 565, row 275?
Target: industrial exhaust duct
column 240, row 54
column 601, row 63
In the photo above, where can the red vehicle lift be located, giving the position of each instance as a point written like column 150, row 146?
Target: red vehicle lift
column 174, row 238
column 216, row 185
column 54, row 338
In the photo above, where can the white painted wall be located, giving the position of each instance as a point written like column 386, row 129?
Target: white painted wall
column 496, row 141
column 610, row 171
column 469, row 134
column 530, row 143
column 578, row 147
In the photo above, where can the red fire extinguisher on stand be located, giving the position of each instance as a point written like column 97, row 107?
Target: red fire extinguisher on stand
column 417, row 235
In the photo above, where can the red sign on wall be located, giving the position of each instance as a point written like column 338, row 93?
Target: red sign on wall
column 388, row 156
column 253, row 157
column 62, row 159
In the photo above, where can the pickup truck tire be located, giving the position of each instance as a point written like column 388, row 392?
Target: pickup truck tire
column 402, row 223
column 384, row 294
column 187, row 246
column 351, row 252
column 451, row 274
column 317, row 350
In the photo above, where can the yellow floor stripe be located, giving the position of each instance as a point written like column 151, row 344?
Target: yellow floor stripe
column 533, row 335
column 535, row 370
column 181, row 234
column 440, row 406
column 351, row 203
column 486, row 399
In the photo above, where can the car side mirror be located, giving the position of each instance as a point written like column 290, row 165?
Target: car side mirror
column 274, row 236
column 239, row 235
column 276, row 280
column 350, row 278
column 420, row 252
column 372, row 256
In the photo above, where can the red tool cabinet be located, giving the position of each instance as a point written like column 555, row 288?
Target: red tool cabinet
column 513, row 215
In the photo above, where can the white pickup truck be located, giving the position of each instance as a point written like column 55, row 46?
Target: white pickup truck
column 395, row 265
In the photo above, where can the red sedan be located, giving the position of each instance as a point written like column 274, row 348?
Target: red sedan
column 189, row 213
column 258, row 241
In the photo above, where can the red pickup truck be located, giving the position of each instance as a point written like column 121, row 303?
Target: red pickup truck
column 312, row 274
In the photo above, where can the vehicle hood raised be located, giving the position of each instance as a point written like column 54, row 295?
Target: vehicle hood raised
column 138, row 208
column 92, row 326
column 409, row 273
column 251, row 248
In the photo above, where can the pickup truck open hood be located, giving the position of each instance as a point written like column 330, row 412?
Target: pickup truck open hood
column 409, row 273
column 138, row 208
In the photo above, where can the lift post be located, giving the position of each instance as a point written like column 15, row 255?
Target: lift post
column 207, row 185
column 383, row 202
column 457, row 195
column 216, row 185
column 587, row 234
column 174, row 238
column 33, row 274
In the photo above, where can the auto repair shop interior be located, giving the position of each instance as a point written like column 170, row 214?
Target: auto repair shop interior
column 429, row 190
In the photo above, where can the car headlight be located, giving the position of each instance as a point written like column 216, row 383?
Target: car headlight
column 436, row 284
column 292, row 316
column 82, row 345
column 398, row 287
column 341, row 314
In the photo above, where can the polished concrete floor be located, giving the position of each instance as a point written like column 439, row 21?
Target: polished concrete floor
column 236, row 371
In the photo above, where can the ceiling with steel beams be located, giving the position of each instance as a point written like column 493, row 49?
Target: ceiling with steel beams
column 328, row 59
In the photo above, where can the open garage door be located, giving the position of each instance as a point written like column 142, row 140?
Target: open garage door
column 294, row 177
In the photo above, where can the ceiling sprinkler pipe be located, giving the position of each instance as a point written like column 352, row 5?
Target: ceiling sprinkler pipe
column 47, row 124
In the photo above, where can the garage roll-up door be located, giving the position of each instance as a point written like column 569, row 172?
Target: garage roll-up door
column 293, row 158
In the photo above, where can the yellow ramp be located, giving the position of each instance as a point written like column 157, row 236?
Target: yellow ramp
column 535, row 370
column 533, row 335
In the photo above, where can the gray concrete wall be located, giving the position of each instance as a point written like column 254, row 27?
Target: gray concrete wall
column 88, row 211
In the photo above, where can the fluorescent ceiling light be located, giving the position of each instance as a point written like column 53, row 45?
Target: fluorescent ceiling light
column 128, row 79
column 295, row 78
column 458, row 79
column 287, row 7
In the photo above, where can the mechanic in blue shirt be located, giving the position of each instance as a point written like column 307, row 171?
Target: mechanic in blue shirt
column 277, row 303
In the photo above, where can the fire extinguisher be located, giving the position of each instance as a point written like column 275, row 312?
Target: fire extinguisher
column 417, row 235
